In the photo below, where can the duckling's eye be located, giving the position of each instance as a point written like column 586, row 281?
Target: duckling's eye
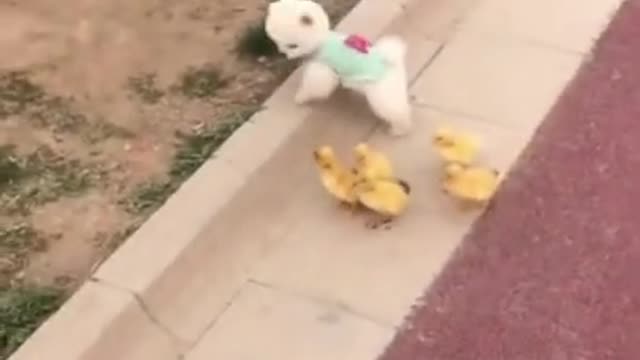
column 444, row 141
column 292, row 46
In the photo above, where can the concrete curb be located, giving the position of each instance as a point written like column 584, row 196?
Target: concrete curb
column 107, row 318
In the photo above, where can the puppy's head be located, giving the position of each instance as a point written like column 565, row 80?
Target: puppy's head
column 298, row 27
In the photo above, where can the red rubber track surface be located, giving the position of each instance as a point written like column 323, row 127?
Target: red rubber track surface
column 552, row 270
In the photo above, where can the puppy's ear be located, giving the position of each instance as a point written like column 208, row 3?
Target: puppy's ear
column 306, row 20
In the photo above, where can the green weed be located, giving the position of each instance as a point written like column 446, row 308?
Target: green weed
column 196, row 148
column 148, row 196
column 20, row 96
column 11, row 166
column 17, row 92
column 38, row 178
column 255, row 43
column 20, row 236
column 200, row 83
column 144, row 86
column 17, row 240
column 57, row 114
column 22, row 310
column 103, row 129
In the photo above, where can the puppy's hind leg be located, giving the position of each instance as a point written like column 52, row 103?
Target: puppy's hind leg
column 389, row 100
column 318, row 82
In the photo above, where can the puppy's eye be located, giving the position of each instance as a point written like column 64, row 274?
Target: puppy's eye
column 292, row 46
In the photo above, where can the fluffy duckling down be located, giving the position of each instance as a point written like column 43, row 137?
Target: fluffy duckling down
column 471, row 183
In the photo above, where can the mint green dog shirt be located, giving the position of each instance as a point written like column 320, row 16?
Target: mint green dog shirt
column 352, row 58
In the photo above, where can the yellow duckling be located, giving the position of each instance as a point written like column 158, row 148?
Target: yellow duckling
column 337, row 179
column 388, row 198
column 454, row 146
column 472, row 184
column 372, row 164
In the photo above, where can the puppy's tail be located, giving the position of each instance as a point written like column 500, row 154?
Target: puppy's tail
column 393, row 49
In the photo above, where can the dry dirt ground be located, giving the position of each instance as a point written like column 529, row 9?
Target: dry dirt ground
column 105, row 108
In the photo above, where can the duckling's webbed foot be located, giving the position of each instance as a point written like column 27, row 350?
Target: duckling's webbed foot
column 378, row 222
column 352, row 208
column 345, row 205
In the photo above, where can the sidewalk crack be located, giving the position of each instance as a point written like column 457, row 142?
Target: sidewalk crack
column 426, row 64
column 181, row 345
column 326, row 302
column 226, row 307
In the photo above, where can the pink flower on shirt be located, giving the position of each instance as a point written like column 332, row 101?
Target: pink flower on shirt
column 358, row 43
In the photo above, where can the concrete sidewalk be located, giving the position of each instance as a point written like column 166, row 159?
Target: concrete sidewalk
column 279, row 272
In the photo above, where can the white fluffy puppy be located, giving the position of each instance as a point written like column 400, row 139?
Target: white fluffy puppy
column 301, row 28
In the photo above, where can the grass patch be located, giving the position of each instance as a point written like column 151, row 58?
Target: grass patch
column 20, row 236
column 196, row 148
column 145, row 88
column 22, row 310
column 192, row 151
column 38, row 178
column 57, row 114
column 119, row 237
column 255, row 43
column 11, row 168
column 148, row 196
column 20, row 96
column 17, row 240
column 17, row 92
column 200, row 83
column 103, row 129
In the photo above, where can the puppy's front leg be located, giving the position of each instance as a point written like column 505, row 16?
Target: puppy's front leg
column 318, row 82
